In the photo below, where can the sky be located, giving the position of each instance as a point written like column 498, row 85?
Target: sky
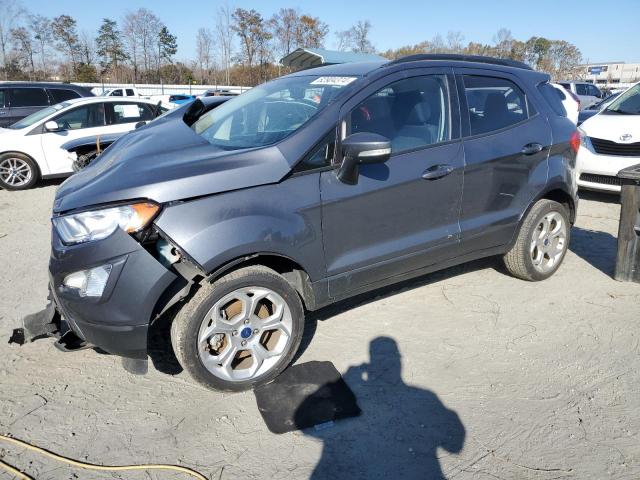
column 609, row 36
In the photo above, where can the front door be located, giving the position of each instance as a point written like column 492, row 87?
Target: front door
column 402, row 214
column 82, row 121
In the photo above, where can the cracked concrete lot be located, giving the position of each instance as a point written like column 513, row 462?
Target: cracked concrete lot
column 465, row 374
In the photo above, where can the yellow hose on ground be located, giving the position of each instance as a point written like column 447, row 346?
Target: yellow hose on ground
column 88, row 466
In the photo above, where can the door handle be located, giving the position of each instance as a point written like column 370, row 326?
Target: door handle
column 531, row 149
column 2, row 113
column 437, row 171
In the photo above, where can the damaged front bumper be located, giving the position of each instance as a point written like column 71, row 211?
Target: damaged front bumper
column 118, row 320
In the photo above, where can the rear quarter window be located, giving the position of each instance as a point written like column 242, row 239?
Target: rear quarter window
column 554, row 98
column 62, row 94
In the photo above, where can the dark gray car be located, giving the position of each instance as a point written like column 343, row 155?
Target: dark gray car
column 20, row 99
column 306, row 190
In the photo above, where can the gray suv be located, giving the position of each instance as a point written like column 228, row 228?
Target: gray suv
column 309, row 189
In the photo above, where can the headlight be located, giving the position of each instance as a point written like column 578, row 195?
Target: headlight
column 99, row 224
column 584, row 138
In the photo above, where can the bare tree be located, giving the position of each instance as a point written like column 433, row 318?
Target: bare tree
column 454, row 41
column 286, row 27
column 131, row 41
column 437, row 44
column 503, row 41
column 66, row 37
column 41, row 27
column 204, row 53
column 10, row 13
column 356, row 38
column 24, row 48
column 224, row 33
column 87, row 48
column 254, row 38
column 142, row 30
column 311, row 32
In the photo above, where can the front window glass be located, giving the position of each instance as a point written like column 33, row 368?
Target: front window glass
column 627, row 103
column 412, row 113
column 270, row 112
column 39, row 115
column 87, row 116
column 1, row 98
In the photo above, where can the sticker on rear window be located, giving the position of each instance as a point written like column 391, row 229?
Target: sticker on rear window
column 340, row 81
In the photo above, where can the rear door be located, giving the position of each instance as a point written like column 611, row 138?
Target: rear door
column 506, row 147
column 4, row 108
column 24, row 101
column 123, row 116
column 402, row 214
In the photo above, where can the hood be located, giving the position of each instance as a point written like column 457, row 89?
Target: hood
column 612, row 127
column 167, row 161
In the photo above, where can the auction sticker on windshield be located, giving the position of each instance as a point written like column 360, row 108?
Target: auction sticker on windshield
column 340, row 81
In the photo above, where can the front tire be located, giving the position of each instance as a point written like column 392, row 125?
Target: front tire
column 17, row 171
column 240, row 331
column 542, row 242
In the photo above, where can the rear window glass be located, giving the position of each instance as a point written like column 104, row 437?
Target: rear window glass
column 129, row 92
column 554, row 97
column 62, row 94
column 28, row 97
column 494, row 103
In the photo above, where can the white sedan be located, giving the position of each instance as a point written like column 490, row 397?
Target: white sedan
column 610, row 142
column 30, row 149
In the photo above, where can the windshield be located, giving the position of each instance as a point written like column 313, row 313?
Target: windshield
column 270, row 112
column 39, row 115
column 626, row 104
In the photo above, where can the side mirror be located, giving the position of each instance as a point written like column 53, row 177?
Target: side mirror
column 361, row 149
column 52, row 126
column 141, row 123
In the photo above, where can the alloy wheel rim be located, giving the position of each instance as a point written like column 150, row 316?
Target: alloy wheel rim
column 245, row 334
column 15, row 172
column 549, row 242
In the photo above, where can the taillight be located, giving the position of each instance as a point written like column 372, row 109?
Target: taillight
column 574, row 141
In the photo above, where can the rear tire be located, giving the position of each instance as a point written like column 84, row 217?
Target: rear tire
column 240, row 331
column 17, row 171
column 542, row 242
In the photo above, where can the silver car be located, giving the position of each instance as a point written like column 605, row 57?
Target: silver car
column 587, row 92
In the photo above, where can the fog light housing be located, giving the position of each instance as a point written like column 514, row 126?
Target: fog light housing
column 89, row 283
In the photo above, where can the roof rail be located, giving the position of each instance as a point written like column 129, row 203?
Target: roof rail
column 461, row 58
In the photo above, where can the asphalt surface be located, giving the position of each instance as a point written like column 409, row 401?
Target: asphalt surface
column 465, row 374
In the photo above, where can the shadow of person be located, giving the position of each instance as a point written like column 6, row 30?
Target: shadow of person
column 399, row 431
